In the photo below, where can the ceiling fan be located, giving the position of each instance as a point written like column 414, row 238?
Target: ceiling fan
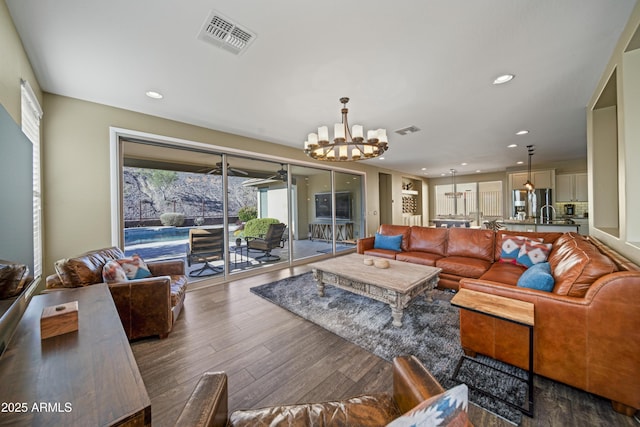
column 230, row 171
column 280, row 174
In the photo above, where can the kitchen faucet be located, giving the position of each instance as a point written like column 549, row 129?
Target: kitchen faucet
column 552, row 208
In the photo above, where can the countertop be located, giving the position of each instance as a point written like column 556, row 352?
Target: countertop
column 531, row 222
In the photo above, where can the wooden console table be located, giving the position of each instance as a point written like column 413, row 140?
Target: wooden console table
column 84, row 378
column 511, row 310
column 323, row 230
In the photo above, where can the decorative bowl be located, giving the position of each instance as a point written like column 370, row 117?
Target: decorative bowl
column 381, row 263
column 368, row 261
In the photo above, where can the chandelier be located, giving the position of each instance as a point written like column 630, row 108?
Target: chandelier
column 453, row 194
column 347, row 145
column 529, row 185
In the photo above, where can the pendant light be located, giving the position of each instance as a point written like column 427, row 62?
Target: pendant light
column 529, row 184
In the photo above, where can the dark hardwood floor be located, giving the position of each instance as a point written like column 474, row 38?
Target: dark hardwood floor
column 274, row 357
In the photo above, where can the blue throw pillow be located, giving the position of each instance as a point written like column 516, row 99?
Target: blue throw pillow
column 391, row 243
column 538, row 276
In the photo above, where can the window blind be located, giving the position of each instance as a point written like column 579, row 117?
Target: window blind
column 31, row 115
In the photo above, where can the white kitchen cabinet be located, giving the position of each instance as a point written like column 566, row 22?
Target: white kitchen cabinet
column 584, row 225
column 582, row 188
column 540, row 179
column 518, row 180
column 543, row 179
column 572, row 188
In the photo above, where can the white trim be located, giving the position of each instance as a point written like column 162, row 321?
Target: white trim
column 31, row 97
column 219, row 149
column 114, row 186
column 115, row 133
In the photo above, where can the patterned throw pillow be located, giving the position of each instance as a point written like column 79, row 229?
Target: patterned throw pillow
column 532, row 253
column 113, row 272
column 511, row 246
column 134, row 267
column 446, row 409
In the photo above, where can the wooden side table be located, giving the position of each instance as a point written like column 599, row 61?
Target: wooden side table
column 510, row 310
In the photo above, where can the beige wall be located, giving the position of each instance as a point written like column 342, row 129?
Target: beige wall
column 14, row 66
column 612, row 147
column 77, row 205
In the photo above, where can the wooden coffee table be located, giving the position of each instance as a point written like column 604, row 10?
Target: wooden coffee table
column 397, row 285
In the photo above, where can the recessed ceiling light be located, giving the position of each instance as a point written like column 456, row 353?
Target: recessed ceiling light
column 464, row 164
column 381, row 158
column 503, row 79
column 423, row 169
column 478, row 171
column 512, row 145
column 520, row 162
column 522, row 132
column 153, row 94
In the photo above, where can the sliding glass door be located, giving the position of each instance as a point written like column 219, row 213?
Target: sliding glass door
column 228, row 213
column 258, row 213
column 167, row 193
column 349, row 209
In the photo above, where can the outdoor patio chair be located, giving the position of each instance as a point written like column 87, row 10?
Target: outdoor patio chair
column 270, row 241
column 205, row 245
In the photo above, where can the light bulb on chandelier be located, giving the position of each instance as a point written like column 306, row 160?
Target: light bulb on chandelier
column 347, row 145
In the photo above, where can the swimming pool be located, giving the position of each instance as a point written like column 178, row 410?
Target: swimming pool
column 139, row 235
column 154, row 243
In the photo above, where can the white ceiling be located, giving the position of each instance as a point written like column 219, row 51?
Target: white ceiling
column 427, row 63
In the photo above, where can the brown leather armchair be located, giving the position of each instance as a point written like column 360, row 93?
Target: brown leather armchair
column 412, row 384
column 146, row 307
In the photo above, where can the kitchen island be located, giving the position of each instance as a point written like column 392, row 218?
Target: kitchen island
column 531, row 225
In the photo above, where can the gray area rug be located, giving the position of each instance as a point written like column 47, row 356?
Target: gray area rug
column 430, row 331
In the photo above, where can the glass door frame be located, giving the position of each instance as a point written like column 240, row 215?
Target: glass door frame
column 116, row 169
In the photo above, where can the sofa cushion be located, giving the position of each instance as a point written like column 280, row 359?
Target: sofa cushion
column 471, row 243
column 178, row 288
column 134, row 267
column 537, row 277
column 424, row 258
column 85, row 269
column 383, row 253
column 370, row 410
column 445, row 409
column 394, row 230
column 576, row 263
column 113, row 272
column 12, row 278
column 532, row 253
column 463, row 266
column 504, row 273
column 391, row 243
column 428, row 239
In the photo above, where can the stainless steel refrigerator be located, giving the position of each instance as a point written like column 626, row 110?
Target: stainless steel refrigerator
column 538, row 204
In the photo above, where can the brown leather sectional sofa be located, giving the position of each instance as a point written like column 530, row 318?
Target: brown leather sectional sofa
column 587, row 330
column 146, row 307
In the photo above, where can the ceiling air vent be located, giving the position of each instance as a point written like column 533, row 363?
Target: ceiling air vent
column 407, row 130
column 223, row 32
